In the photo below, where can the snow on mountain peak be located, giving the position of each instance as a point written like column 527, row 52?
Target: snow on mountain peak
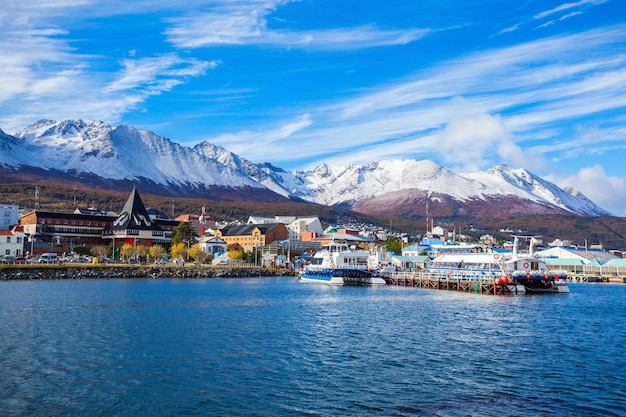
column 125, row 152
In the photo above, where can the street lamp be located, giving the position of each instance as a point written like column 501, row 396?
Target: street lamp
column 187, row 242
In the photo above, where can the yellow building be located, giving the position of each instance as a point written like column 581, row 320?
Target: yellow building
column 251, row 236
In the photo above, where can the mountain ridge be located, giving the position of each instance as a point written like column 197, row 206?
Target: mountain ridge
column 96, row 151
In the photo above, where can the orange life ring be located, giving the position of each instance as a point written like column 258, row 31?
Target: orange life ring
column 496, row 257
column 525, row 265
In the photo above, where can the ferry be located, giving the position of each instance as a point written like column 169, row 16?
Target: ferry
column 522, row 272
column 339, row 264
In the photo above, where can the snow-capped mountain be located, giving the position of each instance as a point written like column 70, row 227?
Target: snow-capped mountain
column 394, row 187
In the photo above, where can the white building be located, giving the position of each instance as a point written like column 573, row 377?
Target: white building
column 296, row 226
column 12, row 241
column 212, row 245
column 9, row 215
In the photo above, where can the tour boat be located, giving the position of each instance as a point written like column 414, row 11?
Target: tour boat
column 523, row 272
column 338, row 264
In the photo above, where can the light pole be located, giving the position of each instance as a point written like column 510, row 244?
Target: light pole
column 187, row 242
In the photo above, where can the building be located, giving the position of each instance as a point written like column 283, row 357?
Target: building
column 212, row 245
column 9, row 216
column 12, row 241
column 299, row 228
column 48, row 231
column 252, row 236
column 134, row 226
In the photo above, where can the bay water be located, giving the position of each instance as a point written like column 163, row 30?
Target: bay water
column 279, row 347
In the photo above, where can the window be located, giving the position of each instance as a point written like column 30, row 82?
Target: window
column 8, row 239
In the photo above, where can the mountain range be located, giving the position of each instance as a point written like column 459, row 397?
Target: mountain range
column 114, row 157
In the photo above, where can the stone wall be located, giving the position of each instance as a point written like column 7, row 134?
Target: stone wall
column 110, row 272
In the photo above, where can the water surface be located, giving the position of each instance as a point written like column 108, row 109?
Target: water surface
column 279, row 347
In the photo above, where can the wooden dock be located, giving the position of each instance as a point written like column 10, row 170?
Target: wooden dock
column 453, row 282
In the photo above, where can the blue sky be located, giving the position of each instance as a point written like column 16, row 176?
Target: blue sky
column 535, row 84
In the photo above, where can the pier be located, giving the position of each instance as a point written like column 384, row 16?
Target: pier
column 476, row 283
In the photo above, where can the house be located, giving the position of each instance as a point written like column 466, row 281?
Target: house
column 251, row 236
column 212, row 245
column 12, row 241
column 299, row 228
column 200, row 224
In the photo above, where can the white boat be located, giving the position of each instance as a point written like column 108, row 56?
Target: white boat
column 338, row 264
column 522, row 272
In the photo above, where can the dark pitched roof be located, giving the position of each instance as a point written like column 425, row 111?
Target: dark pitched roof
column 247, row 229
column 134, row 215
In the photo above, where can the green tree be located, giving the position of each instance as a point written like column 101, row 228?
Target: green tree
column 183, row 233
column 393, row 245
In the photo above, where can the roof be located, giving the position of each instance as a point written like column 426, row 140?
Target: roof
column 564, row 261
column 418, row 259
column 134, row 215
column 247, row 229
column 616, row 262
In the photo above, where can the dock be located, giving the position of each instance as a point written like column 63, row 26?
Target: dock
column 468, row 283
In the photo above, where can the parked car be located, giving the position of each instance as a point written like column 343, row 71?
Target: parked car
column 48, row 258
column 7, row 259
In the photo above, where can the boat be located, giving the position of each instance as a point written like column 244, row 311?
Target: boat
column 339, row 264
column 521, row 272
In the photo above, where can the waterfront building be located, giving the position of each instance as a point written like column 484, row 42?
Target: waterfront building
column 9, row 215
column 252, row 236
column 12, row 241
column 134, row 226
column 212, row 245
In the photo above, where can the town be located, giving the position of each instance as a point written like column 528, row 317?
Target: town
column 140, row 235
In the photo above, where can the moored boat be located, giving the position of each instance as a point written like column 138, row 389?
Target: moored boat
column 338, row 264
column 522, row 272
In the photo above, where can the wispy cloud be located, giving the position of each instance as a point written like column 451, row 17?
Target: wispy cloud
column 241, row 23
column 568, row 6
column 520, row 96
column 42, row 72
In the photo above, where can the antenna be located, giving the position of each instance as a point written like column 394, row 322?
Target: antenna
column 36, row 198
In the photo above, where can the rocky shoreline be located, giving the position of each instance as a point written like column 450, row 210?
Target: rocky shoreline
column 54, row 272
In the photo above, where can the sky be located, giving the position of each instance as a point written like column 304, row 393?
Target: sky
column 535, row 84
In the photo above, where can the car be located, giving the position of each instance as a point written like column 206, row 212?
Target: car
column 7, row 259
column 48, row 258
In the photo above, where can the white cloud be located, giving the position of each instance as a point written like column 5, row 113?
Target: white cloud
column 246, row 24
column 567, row 6
column 609, row 192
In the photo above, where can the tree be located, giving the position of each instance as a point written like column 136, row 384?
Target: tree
column 142, row 250
column 157, row 251
column 127, row 250
column 179, row 250
column 99, row 251
column 183, row 232
column 197, row 253
column 393, row 245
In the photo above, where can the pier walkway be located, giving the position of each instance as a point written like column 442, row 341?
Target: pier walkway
column 453, row 281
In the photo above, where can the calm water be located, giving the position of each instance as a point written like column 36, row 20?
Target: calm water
column 279, row 347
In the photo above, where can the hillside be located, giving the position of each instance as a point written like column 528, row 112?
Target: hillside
column 608, row 231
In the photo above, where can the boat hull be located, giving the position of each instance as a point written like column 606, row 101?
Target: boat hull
column 339, row 276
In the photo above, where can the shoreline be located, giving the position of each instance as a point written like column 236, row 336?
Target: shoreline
column 53, row 272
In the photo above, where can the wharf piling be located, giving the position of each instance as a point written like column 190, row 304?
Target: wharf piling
column 468, row 284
